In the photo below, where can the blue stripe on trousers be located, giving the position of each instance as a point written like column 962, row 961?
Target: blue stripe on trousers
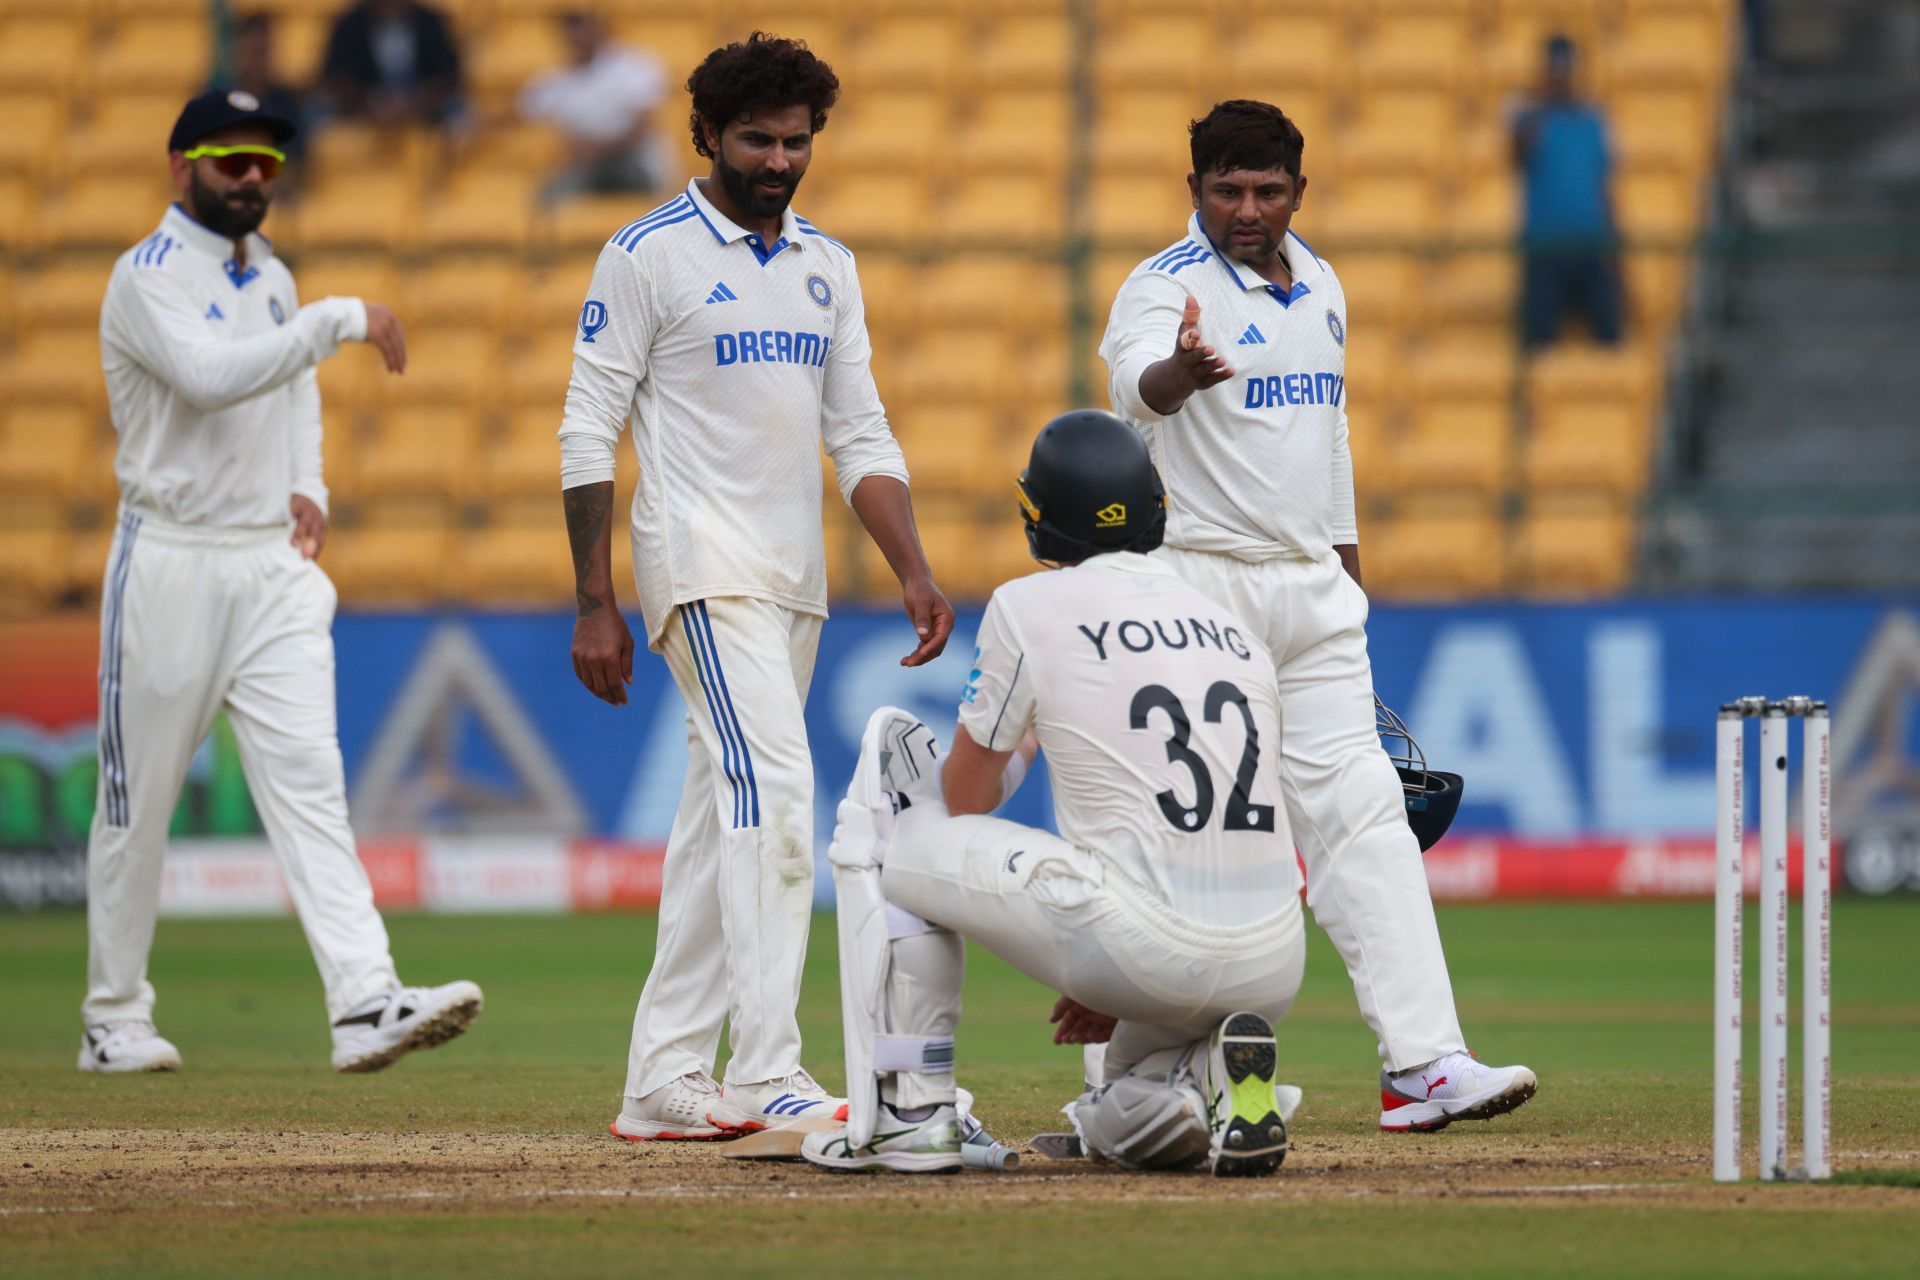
column 713, row 711
column 746, row 756
column 114, row 740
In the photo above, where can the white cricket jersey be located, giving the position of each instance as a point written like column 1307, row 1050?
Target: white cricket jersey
column 209, row 369
column 1160, row 719
column 736, row 361
column 1257, row 466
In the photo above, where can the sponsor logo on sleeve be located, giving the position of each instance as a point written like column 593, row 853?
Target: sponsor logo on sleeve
column 593, row 318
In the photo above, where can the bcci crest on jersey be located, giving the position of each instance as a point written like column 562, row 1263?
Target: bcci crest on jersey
column 819, row 290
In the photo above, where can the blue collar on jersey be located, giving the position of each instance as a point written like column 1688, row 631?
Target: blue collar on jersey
column 1249, row 279
column 726, row 231
column 184, row 228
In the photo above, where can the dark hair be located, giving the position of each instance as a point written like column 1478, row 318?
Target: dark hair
column 766, row 71
column 1243, row 134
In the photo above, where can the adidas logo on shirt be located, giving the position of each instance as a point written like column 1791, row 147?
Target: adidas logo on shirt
column 721, row 294
column 1252, row 337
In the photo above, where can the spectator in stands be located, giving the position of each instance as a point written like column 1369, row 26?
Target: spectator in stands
column 254, row 71
column 394, row 62
column 603, row 100
column 1572, row 264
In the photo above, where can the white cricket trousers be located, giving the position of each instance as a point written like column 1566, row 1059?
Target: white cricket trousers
column 194, row 620
column 1069, row 919
column 1366, row 884
column 736, row 892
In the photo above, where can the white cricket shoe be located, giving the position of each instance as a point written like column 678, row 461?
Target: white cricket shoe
column 394, row 1023
column 931, row 1145
column 689, row 1109
column 1235, row 1076
column 127, row 1046
column 772, row 1104
column 1456, row 1087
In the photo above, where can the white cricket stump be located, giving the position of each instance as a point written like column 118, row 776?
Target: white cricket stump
column 1730, row 760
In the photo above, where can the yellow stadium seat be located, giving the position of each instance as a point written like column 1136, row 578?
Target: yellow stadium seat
column 33, row 564
column 525, row 460
column 1391, row 132
column 950, row 366
column 888, row 130
column 1664, row 129
column 1016, row 132
column 35, row 124
column 1148, row 107
column 418, row 451
column 300, row 45
column 1679, row 48
column 1434, row 556
column 160, row 54
column 1588, row 447
column 1575, row 552
column 950, row 447
column 446, row 367
column 1025, row 51
column 538, row 377
column 1462, row 448
column 351, row 379
column 105, row 212
column 179, row 10
column 680, row 36
column 525, row 565
column 86, row 567
column 19, row 201
column 1384, row 290
column 516, row 147
column 482, row 211
column 374, row 565
column 1568, row 374
column 1164, row 50
column 1367, row 442
column 42, row 54
column 1381, row 210
column 1158, row 149
column 374, row 210
column 1487, row 213
column 514, row 52
column 1016, row 208
column 995, row 291
column 54, row 366
column 1289, row 51
column 1454, row 370
column 1481, row 286
column 1656, row 289
column 127, row 132
column 369, row 276
column 1144, row 212
column 1425, row 47
column 61, row 296
column 916, row 49
column 42, row 449
column 877, row 209
column 589, row 222
column 1376, row 370
column 463, row 292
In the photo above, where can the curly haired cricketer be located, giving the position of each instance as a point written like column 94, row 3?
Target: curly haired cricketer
column 1247, row 422
column 732, row 334
column 213, row 600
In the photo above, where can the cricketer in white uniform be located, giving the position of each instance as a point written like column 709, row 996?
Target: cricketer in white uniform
column 213, row 601
column 1170, row 898
column 730, row 331
column 1251, row 436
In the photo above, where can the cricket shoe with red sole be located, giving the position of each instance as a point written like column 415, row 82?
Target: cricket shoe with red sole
column 1456, row 1087
column 689, row 1109
column 773, row 1103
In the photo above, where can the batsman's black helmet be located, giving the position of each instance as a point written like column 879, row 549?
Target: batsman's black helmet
column 1432, row 797
column 1090, row 486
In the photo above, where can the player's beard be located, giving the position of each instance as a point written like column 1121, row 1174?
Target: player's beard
column 233, row 215
column 743, row 189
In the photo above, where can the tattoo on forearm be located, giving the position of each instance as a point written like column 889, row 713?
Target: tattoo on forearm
column 589, row 507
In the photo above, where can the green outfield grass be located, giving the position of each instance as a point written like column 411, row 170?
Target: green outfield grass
column 1608, row 1003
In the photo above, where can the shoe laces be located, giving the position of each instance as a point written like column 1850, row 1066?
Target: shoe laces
column 700, row 1082
column 133, row 1027
column 798, row 1081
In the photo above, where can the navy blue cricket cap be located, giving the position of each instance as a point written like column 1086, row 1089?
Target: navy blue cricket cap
column 218, row 108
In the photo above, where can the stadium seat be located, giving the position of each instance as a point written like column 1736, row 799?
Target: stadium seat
column 585, row 223
column 1661, row 129
column 456, row 291
column 920, row 49
column 418, row 450
column 538, row 376
column 524, row 565
column 126, row 133
column 1434, row 556
column 951, row 366
column 1481, row 287
column 1656, row 288
column 1575, row 552
column 877, row 210
column 165, row 55
column 1391, row 133
column 1570, row 373
column 884, row 132
column 1167, row 50
column 950, row 448
column 515, row 51
column 1462, row 448
column 43, row 449
column 1379, row 210
column 1008, row 209
column 524, row 461
column 105, row 212
column 61, row 296
column 989, row 291
column 391, row 565
column 1486, row 214
column 1384, row 292
column 1142, row 212
column 42, row 54
column 54, row 367
column 373, row 210
column 1024, row 51
column 1459, row 370
column 445, row 367
column 33, row 569
column 1017, row 132
column 480, row 211
column 368, row 276
column 35, row 124
column 1672, row 48
column 1414, row 46
column 84, row 572
column 1588, row 447
column 1290, row 52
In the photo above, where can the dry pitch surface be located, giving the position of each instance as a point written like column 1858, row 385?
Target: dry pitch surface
column 491, row 1157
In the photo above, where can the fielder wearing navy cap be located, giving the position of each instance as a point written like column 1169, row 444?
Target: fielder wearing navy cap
column 217, row 109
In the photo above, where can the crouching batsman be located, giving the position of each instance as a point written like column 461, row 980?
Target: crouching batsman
column 1170, row 898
